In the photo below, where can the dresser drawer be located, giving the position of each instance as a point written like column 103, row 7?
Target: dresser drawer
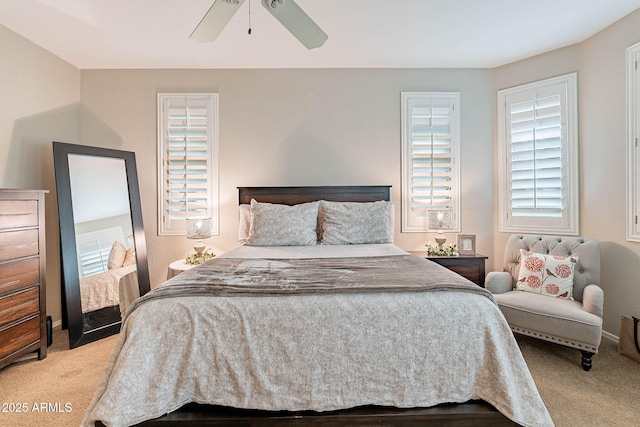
column 19, row 304
column 18, row 213
column 19, row 274
column 18, row 336
column 471, row 272
column 18, row 244
column 22, row 275
column 469, row 266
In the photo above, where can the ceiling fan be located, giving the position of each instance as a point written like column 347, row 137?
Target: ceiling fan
column 290, row 15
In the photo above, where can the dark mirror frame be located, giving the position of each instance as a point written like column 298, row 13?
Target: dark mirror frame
column 70, row 278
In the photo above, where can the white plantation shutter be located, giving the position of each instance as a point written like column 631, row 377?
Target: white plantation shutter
column 187, row 146
column 430, row 147
column 536, row 157
column 93, row 249
column 633, row 134
column 538, row 167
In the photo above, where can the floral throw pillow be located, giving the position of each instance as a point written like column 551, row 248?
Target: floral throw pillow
column 549, row 275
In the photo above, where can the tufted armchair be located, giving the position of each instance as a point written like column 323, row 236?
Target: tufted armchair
column 575, row 323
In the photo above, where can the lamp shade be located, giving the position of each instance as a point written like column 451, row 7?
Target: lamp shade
column 440, row 219
column 198, row 227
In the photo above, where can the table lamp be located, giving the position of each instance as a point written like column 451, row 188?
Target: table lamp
column 198, row 228
column 440, row 219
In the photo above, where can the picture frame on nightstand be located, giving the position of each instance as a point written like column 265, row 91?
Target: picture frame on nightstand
column 466, row 244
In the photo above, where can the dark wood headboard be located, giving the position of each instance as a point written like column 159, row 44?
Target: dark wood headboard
column 295, row 195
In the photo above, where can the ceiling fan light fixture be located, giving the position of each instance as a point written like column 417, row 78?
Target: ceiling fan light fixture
column 216, row 18
column 288, row 13
column 294, row 19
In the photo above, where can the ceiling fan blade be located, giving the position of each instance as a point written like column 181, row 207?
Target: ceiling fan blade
column 297, row 22
column 214, row 21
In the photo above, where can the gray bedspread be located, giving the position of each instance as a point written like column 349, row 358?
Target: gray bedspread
column 263, row 277
column 413, row 334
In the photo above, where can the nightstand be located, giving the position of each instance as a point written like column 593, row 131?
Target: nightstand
column 177, row 267
column 469, row 266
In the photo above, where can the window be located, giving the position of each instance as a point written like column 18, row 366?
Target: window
column 538, row 157
column 93, row 249
column 633, row 159
column 187, row 160
column 430, row 151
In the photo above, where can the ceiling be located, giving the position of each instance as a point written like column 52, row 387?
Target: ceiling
column 103, row 34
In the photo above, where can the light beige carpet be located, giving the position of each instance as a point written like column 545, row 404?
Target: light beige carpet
column 55, row 391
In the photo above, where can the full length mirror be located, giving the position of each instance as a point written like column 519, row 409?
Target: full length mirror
column 103, row 249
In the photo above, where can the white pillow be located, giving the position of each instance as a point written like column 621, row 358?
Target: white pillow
column 129, row 258
column 116, row 256
column 352, row 223
column 245, row 223
column 283, row 225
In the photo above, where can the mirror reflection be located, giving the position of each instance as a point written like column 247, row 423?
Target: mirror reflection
column 102, row 243
column 104, row 238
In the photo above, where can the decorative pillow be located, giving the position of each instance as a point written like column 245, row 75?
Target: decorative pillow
column 129, row 258
column 353, row 223
column 283, row 225
column 391, row 222
column 116, row 256
column 546, row 274
column 245, row 223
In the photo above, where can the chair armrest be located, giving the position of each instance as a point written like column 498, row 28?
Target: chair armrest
column 498, row 282
column 593, row 299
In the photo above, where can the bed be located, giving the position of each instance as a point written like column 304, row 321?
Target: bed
column 106, row 289
column 322, row 334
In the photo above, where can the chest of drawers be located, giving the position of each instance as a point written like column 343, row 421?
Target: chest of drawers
column 22, row 275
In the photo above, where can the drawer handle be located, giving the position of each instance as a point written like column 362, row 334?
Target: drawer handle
column 13, row 282
column 17, row 213
column 28, row 245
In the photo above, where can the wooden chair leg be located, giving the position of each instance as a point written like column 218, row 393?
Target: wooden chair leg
column 586, row 359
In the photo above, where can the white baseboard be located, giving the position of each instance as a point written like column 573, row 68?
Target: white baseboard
column 610, row 336
column 57, row 324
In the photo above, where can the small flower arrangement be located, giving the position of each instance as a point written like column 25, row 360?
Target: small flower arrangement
column 442, row 250
column 195, row 259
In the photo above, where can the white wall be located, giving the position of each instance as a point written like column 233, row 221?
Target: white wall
column 293, row 127
column 39, row 104
column 601, row 67
column 321, row 127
